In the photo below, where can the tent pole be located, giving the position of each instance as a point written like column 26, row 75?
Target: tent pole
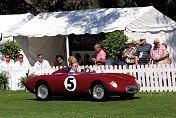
column 1, row 37
column 67, row 48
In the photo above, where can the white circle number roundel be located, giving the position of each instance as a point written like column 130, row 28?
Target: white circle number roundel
column 70, row 83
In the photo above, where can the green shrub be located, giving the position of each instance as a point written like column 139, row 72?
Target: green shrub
column 114, row 44
column 4, row 80
column 23, row 80
column 11, row 48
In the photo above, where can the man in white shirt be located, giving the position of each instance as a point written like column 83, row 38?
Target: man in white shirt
column 20, row 64
column 6, row 65
column 41, row 64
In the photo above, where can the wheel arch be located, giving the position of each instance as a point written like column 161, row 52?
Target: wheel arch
column 97, row 82
column 39, row 82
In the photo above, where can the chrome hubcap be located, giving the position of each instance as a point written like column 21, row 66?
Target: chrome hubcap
column 98, row 92
column 42, row 91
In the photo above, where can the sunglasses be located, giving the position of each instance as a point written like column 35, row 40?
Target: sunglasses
column 40, row 57
column 7, row 57
column 20, row 57
column 141, row 39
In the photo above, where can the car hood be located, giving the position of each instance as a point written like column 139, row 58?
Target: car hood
column 119, row 76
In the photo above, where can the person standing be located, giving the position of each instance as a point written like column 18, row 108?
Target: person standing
column 87, row 60
column 158, row 52
column 1, row 56
column 7, row 65
column 41, row 63
column 129, row 53
column 21, row 64
column 101, row 55
column 137, row 43
column 143, row 52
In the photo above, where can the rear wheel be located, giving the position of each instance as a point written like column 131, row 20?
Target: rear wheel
column 99, row 91
column 43, row 91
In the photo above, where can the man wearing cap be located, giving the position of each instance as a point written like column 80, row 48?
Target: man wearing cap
column 143, row 52
column 129, row 53
column 158, row 52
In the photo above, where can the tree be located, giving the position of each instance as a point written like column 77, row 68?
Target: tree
column 23, row 6
column 114, row 44
column 11, row 48
column 15, row 7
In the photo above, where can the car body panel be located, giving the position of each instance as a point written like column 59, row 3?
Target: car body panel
column 60, row 82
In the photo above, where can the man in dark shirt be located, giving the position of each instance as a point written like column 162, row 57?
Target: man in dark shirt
column 143, row 52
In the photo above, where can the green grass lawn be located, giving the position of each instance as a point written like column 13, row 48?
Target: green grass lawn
column 21, row 104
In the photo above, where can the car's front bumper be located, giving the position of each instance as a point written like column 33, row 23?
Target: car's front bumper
column 132, row 88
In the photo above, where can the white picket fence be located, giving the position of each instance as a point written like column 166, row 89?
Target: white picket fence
column 150, row 78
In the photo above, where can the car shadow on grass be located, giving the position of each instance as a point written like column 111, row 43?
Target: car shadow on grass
column 87, row 98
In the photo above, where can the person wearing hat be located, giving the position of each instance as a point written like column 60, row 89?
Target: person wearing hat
column 143, row 52
column 158, row 52
column 129, row 53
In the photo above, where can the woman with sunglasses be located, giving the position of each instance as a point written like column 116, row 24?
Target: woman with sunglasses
column 74, row 67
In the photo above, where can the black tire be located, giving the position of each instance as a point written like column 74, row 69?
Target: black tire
column 99, row 91
column 127, row 96
column 43, row 91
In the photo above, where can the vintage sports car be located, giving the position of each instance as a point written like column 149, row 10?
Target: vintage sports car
column 98, row 85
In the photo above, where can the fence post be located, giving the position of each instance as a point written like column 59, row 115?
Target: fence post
column 173, row 70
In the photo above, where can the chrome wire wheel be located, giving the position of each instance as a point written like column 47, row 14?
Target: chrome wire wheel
column 42, row 91
column 98, row 92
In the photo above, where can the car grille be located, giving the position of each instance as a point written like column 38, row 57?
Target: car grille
column 132, row 89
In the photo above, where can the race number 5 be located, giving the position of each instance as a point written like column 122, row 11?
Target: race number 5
column 70, row 83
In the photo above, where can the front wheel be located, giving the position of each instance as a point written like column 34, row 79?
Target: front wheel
column 99, row 92
column 42, row 91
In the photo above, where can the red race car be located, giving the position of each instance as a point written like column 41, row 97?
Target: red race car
column 98, row 85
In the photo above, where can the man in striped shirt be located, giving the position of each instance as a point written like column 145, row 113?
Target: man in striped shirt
column 143, row 52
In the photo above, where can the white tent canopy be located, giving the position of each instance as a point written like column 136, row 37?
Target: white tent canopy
column 92, row 21
column 9, row 23
column 152, row 21
column 135, row 22
column 153, row 24
column 12, row 22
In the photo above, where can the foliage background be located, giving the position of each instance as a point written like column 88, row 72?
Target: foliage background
column 23, row 80
column 34, row 6
column 3, row 80
column 11, row 48
column 114, row 44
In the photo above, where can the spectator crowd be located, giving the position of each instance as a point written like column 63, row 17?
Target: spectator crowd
column 142, row 53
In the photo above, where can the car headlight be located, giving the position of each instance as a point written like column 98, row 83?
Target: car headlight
column 113, row 84
column 137, row 81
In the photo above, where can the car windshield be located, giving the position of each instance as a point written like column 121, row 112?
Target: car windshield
column 71, row 73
